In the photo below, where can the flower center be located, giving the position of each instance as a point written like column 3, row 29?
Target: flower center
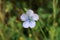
column 30, row 19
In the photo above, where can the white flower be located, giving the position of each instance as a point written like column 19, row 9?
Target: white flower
column 29, row 19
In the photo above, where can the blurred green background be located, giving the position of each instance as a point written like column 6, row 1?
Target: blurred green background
column 47, row 28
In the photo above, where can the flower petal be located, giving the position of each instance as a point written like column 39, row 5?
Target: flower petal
column 32, row 24
column 35, row 17
column 23, row 17
column 26, row 24
column 30, row 12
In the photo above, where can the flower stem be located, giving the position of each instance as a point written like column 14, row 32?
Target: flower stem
column 54, row 14
column 54, row 10
column 1, row 34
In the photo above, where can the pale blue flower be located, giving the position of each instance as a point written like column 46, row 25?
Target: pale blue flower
column 29, row 19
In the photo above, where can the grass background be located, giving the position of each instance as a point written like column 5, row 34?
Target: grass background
column 47, row 28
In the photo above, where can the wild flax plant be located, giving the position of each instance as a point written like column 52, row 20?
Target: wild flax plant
column 40, row 25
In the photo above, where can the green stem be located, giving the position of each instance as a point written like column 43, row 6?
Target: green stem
column 2, row 35
column 54, row 10
column 43, row 31
column 54, row 14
